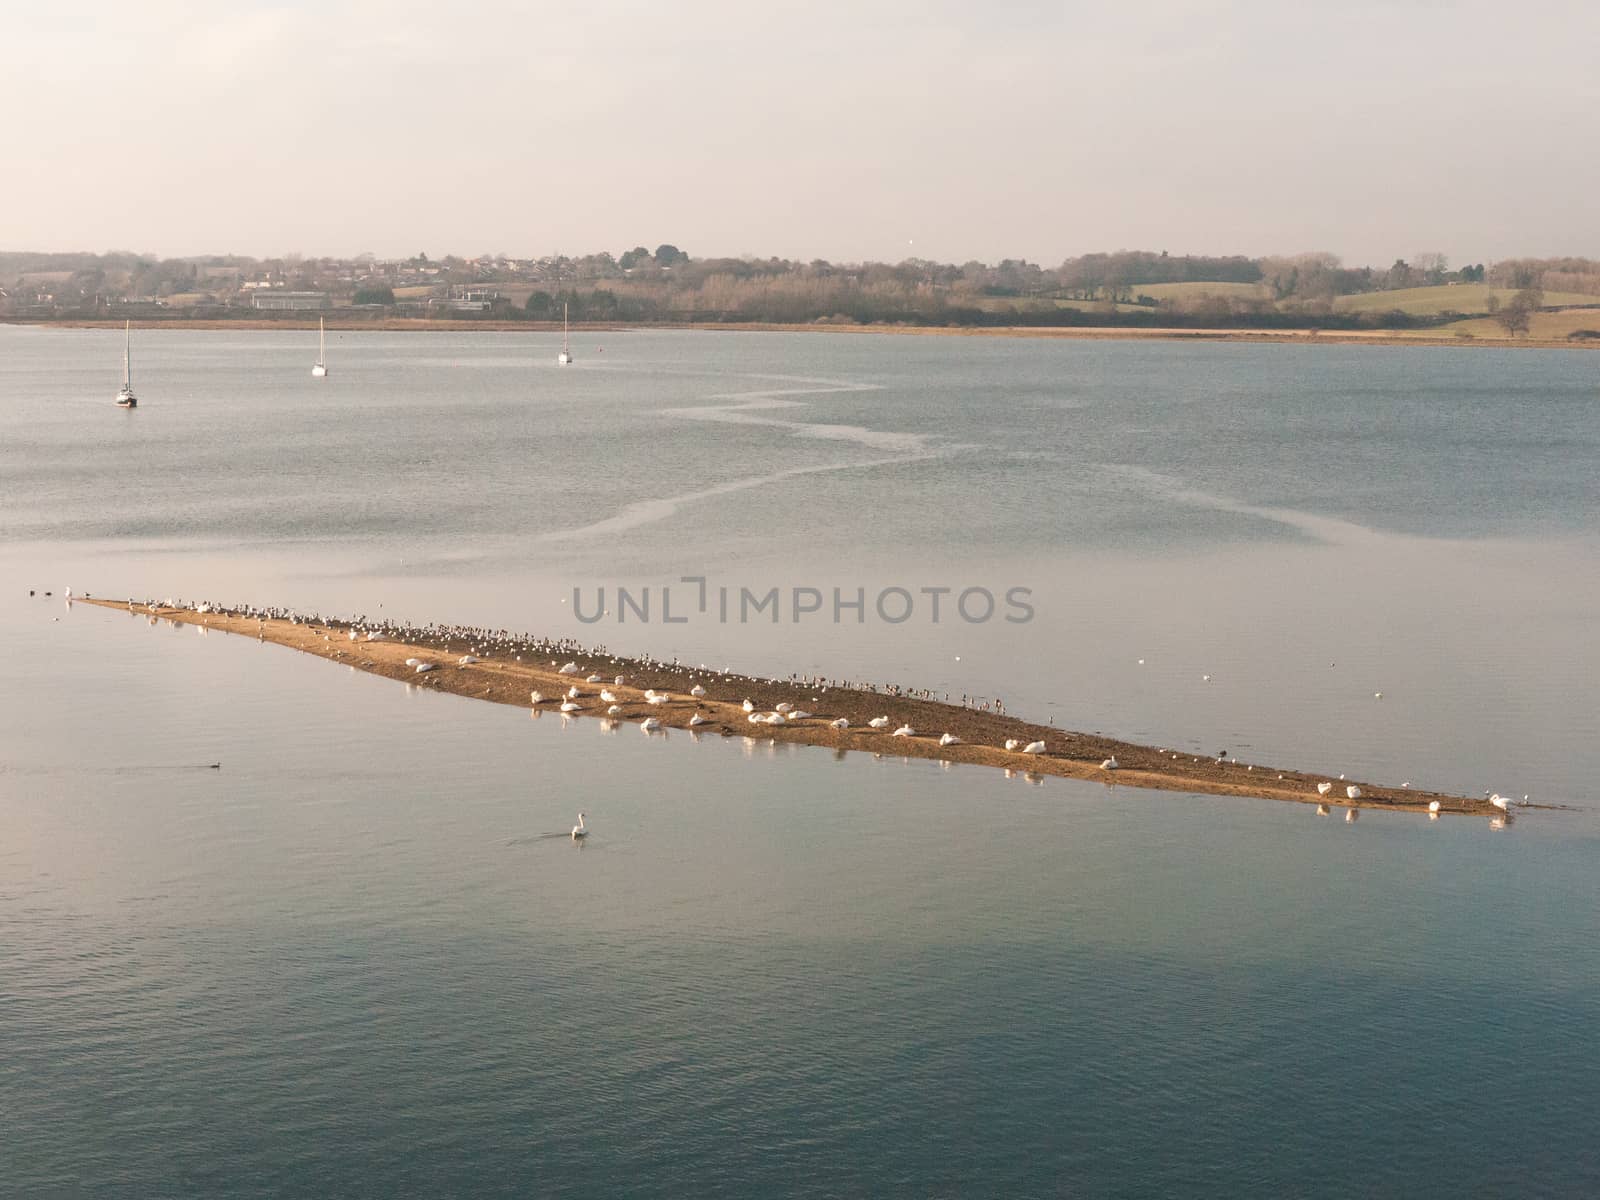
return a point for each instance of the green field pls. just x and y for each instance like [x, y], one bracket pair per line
[1188, 291]
[1552, 325]
[1456, 297]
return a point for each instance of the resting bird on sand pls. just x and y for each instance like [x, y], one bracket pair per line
[949, 739]
[879, 722]
[904, 731]
[1110, 764]
[1324, 788]
[1033, 748]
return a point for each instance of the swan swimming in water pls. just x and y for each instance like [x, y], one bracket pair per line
[649, 725]
[580, 830]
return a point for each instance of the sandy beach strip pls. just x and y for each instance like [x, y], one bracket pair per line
[338, 323]
[509, 668]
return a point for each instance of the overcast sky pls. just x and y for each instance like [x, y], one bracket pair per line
[835, 130]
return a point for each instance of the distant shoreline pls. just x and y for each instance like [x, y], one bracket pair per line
[482, 665]
[1295, 337]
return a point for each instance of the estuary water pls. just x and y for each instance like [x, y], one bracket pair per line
[360, 958]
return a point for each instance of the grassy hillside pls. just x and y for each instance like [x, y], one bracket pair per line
[1457, 297]
[1188, 291]
[1553, 325]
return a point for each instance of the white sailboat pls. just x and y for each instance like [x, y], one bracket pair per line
[321, 369]
[126, 398]
[566, 349]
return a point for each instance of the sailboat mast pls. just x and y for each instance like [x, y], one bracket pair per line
[563, 326]
[127, 355]
[322, 343]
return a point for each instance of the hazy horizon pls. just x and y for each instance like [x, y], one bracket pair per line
[826, 131]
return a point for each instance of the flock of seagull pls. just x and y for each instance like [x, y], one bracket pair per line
[484, 640]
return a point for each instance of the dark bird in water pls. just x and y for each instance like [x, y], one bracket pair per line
[1221, 754]
[216, 766]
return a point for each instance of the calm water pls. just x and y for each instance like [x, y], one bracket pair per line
[353, 962]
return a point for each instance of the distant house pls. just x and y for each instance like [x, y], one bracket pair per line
[472, 299]
[289, 301]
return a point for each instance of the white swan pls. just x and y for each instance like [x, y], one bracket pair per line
[592, 679]
[580, 830]
[614, 710]
[777, 718]
[423, 666]
[1013, 744]
[799, 715]
[657, 698]
[536, 697]
[567, 706]
[697, 692]
[1110, 764]
[949, 739]
[879, 722]
[573, 693]
[608, 696]
[568, 669]
[1033, 748]
[697, 719]
[784, 707]
[649, 725]
[756, 718]
[467, 660]
[411, 662]
[1353, 792]
[840, 723]
[1433, 806]
[1324, 788]
[747, 706]
[620, 680]
[1501, 802]
[904, 731]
